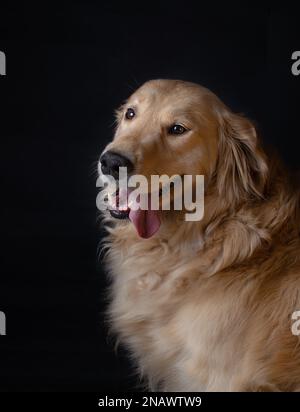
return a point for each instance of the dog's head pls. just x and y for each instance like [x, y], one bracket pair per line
[170, 127]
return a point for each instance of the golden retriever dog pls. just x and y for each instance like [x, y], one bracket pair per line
[204, 305]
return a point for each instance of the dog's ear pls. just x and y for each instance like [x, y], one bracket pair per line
[242, 168]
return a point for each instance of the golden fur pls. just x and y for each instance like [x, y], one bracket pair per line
[206, 306]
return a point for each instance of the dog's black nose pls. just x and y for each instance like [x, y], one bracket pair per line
[111, 161]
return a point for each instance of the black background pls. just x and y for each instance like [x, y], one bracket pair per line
[69, 65]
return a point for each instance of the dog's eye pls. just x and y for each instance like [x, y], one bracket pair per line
[176, 129]
[130, 113]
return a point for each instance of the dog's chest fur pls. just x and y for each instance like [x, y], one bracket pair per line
[174, 321]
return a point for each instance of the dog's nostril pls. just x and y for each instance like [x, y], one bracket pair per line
[103, 165]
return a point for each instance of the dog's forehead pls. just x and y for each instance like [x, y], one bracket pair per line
[165, 88]
[167, 95]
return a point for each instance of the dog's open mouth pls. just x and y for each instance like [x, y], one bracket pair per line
[147, 222]
[118, 212]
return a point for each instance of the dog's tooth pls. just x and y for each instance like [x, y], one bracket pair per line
[112, 199]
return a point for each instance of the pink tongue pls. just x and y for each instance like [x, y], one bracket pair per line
[146, 222]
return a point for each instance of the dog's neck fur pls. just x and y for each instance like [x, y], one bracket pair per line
[261, 219]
